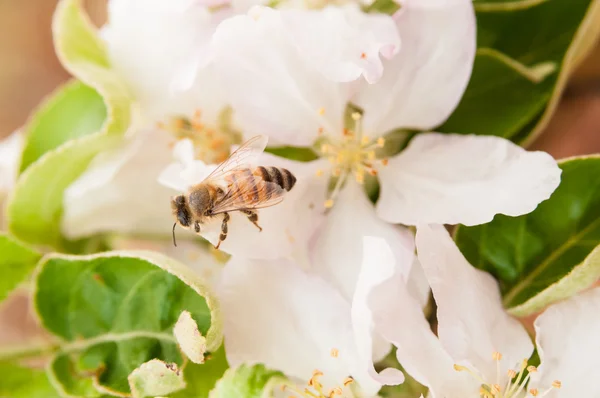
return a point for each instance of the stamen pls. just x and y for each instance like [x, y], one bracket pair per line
[356, 116]
[321, 111]
[531, 369]
[380, 142]
[328, 204]
[348, 381]
[363, 55]
[385, 161]
[319, 173]
[534, 392]
[496, 356]
[556, 384]
[334, 352]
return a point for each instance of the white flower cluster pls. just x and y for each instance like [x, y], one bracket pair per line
[332, 281]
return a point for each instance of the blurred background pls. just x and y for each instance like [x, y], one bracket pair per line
[29, 71]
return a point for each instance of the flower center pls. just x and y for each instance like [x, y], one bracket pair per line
[354, 153]
[517, 381]
[211, 143]
[314, 388]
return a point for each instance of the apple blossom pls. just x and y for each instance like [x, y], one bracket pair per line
[480, 350]
[10, 157]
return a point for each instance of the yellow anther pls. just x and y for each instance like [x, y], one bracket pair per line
[324, 148]
[385, 161]
[512, 374]
[334, 352]
[328, 204]
[556, 384]
[319, 173]
[356, 116]
[380, 142]
[496, 356]
[360, 177]
[349, 380]
[321, 111]
[459, 368]
[531, 369]
[336, 391]
[371, 155]
[365, 140]
[534, 392]
[495, 389]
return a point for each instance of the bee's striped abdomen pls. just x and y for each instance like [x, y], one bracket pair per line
[280, 176]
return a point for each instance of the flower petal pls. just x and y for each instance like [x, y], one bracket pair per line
[422, 85]
[466, 179]
[273, 90]
[150, 42]
[287, 226]
[10, 156]
[379, 263]
[343, 43]
[291, 323]
[472, 323]
[119, 191]
[567, 339]
[399, 319]
[338, 248]
[185, 171]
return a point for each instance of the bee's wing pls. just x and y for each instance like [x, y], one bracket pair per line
[249, 193]
[244, 157]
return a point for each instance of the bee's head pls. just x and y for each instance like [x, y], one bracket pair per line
[181, 210]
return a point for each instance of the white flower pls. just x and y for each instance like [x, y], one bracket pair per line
[277, 89]
[289, 319]
[160, 49]
[481, 350]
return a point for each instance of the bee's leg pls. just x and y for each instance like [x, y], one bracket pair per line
[253, 217]
[223, 235]
[197, 227]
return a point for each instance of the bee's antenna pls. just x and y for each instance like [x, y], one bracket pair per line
[174, 242]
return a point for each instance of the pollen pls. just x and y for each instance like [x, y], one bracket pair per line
[515, 387]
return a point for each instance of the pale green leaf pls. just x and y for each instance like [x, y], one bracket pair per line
[549, 254]
[249, 382]
[115, 311]
[189, 338]
[154, 378]
[17, 381]
[74, 110]
[16, 263]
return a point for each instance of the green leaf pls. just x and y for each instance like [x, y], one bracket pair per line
[20, 382]
[115, 311]
[249, 382]
[35, 204]
[526, 50]
[16, 263]
[383, 6]
[72, 111]
[546, 255]
[201, 378]
[155, 378]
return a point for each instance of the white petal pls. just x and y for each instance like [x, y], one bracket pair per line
[338, 248]
[567, 339]
[417, 283]
[343, 43]
[273, 90]
[422, 85]
[287, 226]
[119, 192]
[399, 318]
[466, 179]
[10, 157]
[280, 316]
[152, 42]
[185, 171]
[472, 323]
[379, 263]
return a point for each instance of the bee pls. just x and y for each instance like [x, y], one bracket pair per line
[237, 184]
